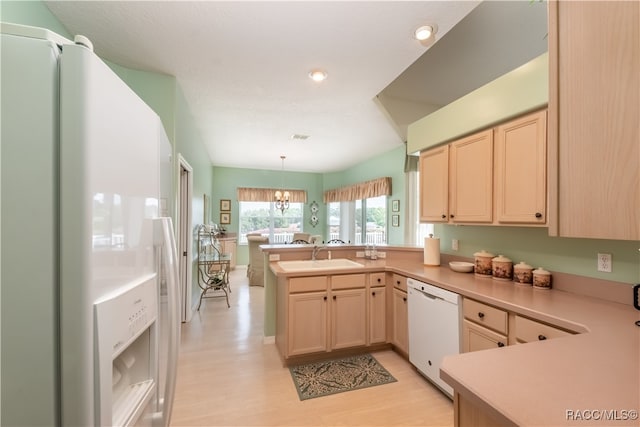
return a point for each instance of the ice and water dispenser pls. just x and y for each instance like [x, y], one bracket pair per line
[126, 359]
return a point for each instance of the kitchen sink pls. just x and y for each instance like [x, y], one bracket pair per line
[320, 264]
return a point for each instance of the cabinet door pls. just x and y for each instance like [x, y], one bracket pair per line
[594, 105]
[229, 247]
[377, 317]
[434, 185]
[471, 178]
[476, 337]
[400, 320]
[348, 318]
[307, 323]
[521, 170]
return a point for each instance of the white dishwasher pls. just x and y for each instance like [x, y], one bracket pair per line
[434, 329]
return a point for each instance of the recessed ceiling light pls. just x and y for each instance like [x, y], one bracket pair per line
[424, 32]
[318, 75]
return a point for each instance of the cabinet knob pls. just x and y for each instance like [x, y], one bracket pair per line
[542, 337]
[538, 215]
[325, 297]
[500, 344]
[452, 215]
[443, 216]
[334, 297]
[379, 280]
[481, 315]
[398, 282]
[404, 299]
[373, 293]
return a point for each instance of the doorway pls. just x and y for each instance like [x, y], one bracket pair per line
[184, 197]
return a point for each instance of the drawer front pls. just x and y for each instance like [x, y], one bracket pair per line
[485, 315]
[307, 284]
[476, 337]
[400, 282]
[528, 330]
[348, 281]
[376, 279]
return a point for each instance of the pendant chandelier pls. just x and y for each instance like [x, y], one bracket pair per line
[282, 197]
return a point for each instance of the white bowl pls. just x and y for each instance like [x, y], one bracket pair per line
[461, 267]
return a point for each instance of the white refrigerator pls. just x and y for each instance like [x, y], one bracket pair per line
[89, 302]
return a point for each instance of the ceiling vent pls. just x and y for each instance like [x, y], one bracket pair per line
[299, 137]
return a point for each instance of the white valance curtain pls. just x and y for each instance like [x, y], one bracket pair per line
[246, 194]
[364, 190]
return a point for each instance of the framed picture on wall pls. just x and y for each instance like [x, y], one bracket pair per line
[395, 205]
[225, 218]
[395, 220]
[225, 205]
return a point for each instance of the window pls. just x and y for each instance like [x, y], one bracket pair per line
[333, 221]
[263, 218]
[417, 230]
[371, 220]
[363, 222]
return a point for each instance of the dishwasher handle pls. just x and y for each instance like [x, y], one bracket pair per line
[430, 296]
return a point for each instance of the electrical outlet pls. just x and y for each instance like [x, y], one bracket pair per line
[454, 244]
[360, 254]
[604, 263]
[274, 257]
[382, 254]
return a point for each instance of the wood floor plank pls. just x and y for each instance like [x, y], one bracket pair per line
[227, 376]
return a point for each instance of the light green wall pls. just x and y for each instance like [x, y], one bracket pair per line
[533, 245]
[33, 13]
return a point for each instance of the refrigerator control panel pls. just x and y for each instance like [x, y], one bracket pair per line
[122, 316]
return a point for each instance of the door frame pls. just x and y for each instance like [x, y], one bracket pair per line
[184, 225]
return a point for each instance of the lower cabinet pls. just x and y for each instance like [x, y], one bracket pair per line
[317, 314]
[483, 327]
[377, 315]
[476, 337]
[348, 318]
[307, 326]
[527, 330]
[400, 321]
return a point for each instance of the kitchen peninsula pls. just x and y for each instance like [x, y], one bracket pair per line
[548, 382]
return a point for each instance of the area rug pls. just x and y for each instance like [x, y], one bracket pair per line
[338, 375]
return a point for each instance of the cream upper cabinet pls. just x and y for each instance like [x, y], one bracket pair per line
[456, 181]
[521, 169]
[594, 108]
[471, 178]
[434, 185]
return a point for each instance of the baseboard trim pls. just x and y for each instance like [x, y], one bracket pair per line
[269, 340]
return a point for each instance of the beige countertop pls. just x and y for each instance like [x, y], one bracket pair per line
[595, 374]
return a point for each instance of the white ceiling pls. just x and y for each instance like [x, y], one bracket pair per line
[243, 68]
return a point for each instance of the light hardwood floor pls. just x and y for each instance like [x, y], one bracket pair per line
[227, 376]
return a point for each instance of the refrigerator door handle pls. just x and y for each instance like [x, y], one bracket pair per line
[170, 261]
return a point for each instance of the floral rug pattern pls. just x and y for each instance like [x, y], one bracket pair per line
[335, 376]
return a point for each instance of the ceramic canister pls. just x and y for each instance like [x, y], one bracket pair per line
[483, 263]
[502, 268]
[523, 273]
[541, 278]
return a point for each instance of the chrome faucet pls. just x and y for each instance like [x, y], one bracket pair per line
[316, 249]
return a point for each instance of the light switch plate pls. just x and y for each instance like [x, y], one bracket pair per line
[274, 257]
